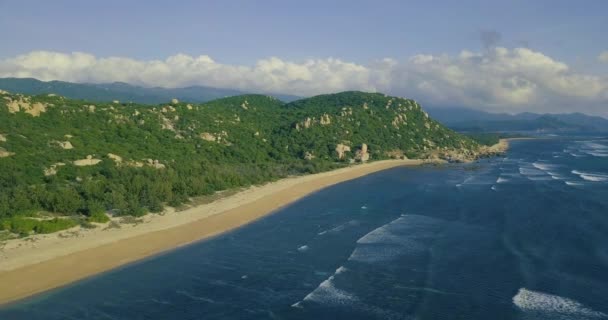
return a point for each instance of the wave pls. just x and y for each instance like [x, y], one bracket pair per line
[502, 180]
[339, 228]
[572, 183]
[193, 297]
[553, 306]
[303, 248]
[530, 172]
[598, 154]
[594, 178]
[544, 166]
[591, 176]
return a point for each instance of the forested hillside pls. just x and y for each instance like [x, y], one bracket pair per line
[63, 158]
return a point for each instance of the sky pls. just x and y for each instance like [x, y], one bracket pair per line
[507, 56]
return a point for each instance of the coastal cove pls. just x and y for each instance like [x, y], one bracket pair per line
[29, 269]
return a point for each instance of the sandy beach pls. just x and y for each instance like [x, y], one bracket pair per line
[43, 262]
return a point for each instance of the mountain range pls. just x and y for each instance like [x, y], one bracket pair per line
[471, 120]
[107, 92]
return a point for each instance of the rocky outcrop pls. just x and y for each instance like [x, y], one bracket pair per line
[308, 156]
[24, 104]
[89, 161]
[207, 136]
[52, 170]
[167, 124]
[362, 155]
[218, 137]
[117, 159]
[2, 138]
[174, 101]
[341, 149]
[396, 154]
[155, 164]
[66, 145]
[245, 105]
[325, 120]
[4, 153]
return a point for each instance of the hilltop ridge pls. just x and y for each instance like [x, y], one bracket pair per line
[63, 157]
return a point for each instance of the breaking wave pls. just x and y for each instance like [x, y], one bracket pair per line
[591, 176]
[552, 306]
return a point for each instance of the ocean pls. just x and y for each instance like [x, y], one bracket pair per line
[518, 237]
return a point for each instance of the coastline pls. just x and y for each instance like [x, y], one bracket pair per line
[45, 262]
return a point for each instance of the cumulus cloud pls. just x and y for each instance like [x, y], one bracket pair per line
[603, 57]
[498, 79]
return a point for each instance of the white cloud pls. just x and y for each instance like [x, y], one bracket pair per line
[498, 79]
[603, 57]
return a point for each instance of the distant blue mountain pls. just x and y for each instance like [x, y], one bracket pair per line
[466, 119]
[121, 91]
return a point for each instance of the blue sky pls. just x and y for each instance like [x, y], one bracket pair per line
[241, 34]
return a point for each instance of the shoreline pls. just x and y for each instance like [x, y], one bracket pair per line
[45, 262]
[38, 264]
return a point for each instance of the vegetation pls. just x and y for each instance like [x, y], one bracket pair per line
[143, 157]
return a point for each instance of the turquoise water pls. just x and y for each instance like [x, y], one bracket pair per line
[520, 237]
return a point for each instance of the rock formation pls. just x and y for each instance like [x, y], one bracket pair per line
[362, 154]
[89, 161]
[341, 149]
[325, 119]
[24, 104]
[4, 153]
[66, 145]
[116, 158]
[207, 136]
[52, 170]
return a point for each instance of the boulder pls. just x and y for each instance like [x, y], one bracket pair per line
[362, 155]
[89, 161]
[341, 149]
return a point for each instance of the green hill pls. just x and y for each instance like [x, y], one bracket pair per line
[61, 157]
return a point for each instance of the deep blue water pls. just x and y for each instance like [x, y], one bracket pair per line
[521, 237]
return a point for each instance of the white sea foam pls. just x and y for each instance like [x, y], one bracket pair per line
[598, 154]
[544, 166]
[501, 180]
[327, 292]
[340, 227]
[554, 307]
[594, 178]
[556, 176]
[341, 269]
[572, 183]
[530, 171]
[591, 176]
[194, 297]
[494, 188]
[303, 248]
